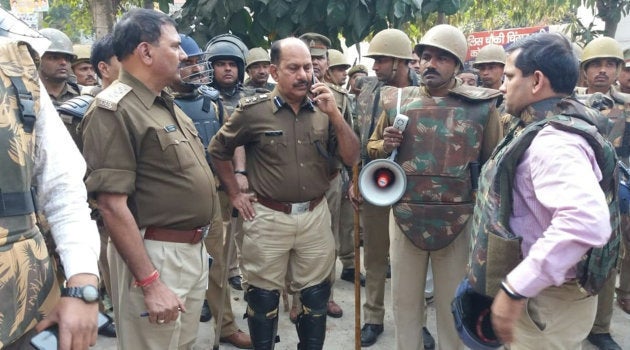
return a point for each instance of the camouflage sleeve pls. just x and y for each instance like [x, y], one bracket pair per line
[493, 133]
[375, 143]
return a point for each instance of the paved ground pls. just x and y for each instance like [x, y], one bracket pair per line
[340, 332]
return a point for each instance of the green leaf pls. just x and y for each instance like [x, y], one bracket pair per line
[336, 13]
[279, 8]
[382, 8]
[399, 9]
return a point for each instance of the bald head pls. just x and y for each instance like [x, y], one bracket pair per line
[282, 45]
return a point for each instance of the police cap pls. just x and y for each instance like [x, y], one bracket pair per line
[317, 43]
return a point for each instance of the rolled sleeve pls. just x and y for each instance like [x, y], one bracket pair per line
[109, 153]
[375, 148]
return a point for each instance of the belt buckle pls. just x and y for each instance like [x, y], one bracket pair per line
[299, 208]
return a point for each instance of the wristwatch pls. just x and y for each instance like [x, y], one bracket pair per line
[87, 293]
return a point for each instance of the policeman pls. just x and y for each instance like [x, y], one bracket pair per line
[288, 139]
[318, 46]
[203, 106]
[391, 51]
[452, 130]
[82, 68]
[258, 69]
[153, 186]
[355, 73]
[29, 290]
[490, 62]
[226, 53]
[601, 61]
[55, 67]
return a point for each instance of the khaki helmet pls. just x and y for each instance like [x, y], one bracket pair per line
[390, 43]
[337, 59]
[82, 52]
[447, 38]
[59, 42]
[359, 68]
[490, 54]
[602, 47]
[255, 55]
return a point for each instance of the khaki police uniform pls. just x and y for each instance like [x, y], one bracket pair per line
[69, 91]
[286, 162]
[142, 145]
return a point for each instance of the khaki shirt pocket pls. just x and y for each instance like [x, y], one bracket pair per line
[176, 149]
[274, 149]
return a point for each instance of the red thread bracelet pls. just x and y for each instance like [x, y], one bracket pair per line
[147, 281]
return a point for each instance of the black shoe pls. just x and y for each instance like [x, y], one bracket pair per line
[206, 313]
[348, 275]
[603, 341]
[108, 330]
[369, 333]
[235, 282]
[427, 339]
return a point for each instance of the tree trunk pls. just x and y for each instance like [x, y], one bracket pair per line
[102, 17]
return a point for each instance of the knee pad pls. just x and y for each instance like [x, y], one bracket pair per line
[315, 299]
[262, 303]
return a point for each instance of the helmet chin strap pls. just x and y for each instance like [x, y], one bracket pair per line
[394, 69]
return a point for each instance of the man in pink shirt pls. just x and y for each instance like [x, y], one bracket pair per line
[558, 208]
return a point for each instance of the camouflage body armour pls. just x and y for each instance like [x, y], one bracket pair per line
[366, 108]
[28, 288]
[443, 137]
[496, 250]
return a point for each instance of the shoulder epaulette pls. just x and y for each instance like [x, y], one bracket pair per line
[110, 97]
[475, 93]
[248, 101]
[338, 89]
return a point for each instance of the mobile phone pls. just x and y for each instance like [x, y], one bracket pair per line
[47, 339]
[313, 81]
[400, 122]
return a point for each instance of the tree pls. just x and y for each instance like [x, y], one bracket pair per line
[92, 17]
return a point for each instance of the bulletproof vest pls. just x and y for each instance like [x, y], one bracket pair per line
[28, 287]
[231, 98]
[205, 110]
[496, 250]
[441, 143]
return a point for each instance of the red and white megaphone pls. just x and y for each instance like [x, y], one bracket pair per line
[383, 182]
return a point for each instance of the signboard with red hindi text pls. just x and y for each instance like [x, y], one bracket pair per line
[502, 37]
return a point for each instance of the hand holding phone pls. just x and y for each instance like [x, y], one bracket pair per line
[48, 338]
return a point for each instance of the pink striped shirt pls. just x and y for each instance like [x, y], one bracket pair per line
[559, 210]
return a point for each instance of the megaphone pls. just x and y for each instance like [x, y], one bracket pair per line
[382, 182]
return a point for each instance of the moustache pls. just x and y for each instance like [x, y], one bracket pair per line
[300, 83]
[430, 71]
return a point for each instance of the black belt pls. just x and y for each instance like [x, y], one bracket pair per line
[16, 203]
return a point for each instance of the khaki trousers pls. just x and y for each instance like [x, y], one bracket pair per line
[559, 318]
[333, 197]
[275, 242]
[409, 272]
[624, 271]
[215, 246]
[376, 249]
[345, 249]
[606, 296]
[183, 268]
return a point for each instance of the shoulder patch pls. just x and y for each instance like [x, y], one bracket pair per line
[474, 93]
[110, 97]
[252, 100]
